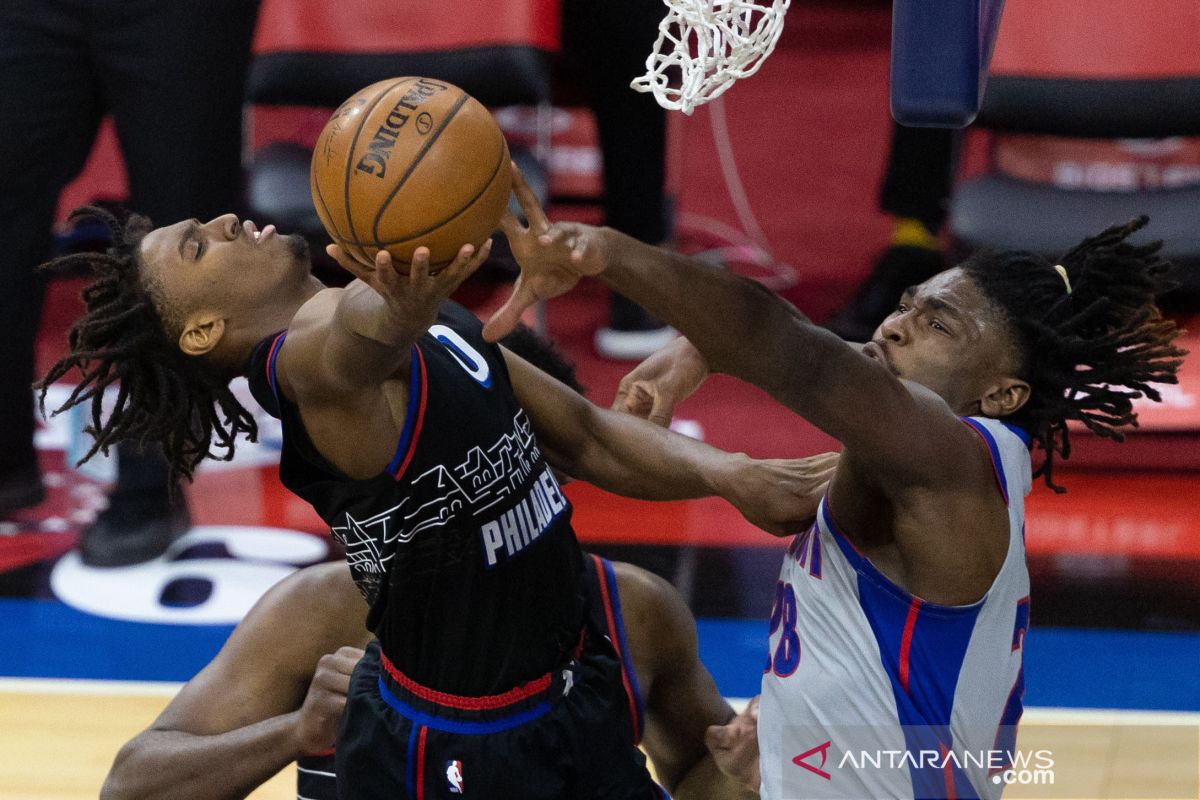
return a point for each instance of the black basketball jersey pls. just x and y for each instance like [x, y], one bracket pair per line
[317, 774]
[463, 545]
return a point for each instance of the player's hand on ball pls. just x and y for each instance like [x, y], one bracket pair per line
[413, 298]
[653, 388]
[317, 720]
[781, 496]
[734, 747]
[552, 256]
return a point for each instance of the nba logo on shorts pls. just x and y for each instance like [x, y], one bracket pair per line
[454, 780]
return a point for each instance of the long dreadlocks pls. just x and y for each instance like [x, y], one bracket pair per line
[163, 395]
[1089, 343]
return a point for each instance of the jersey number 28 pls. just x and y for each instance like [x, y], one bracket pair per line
[786, 658]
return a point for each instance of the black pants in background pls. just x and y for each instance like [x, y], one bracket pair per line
[604, 47]
[920, 174]
[172, 73]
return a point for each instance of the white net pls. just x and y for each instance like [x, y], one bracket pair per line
[705, 45]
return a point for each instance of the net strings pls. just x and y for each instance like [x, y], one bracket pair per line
[704, 46]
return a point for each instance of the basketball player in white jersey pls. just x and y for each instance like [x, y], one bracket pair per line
[899, 617]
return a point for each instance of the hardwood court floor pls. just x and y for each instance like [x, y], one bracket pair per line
[58, 739]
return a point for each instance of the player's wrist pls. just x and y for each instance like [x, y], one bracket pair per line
[726, 478]
[302, 739]
[689, 360]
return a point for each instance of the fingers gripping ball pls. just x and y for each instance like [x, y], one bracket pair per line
[409, 162]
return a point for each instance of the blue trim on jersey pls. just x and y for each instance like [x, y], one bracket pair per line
[460, 726]
[626, 656]
[936, 651]
[934, 654]
[1019, 432]
[410, 414]
[271, 356]
[410, 774]
[994, 450]
[863, 566]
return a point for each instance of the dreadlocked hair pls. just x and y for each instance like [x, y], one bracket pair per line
[163, 395]
[1088, 346]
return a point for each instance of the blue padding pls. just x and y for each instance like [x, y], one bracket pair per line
[940, 55]
[1063, 667]
[46, 639]
[1083, 668]
[734, 650]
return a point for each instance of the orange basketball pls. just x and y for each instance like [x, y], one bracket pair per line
[409, 162]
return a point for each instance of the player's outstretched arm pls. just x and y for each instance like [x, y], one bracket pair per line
[743, 329]
[632, 457]
[272, 694]
[364, 336]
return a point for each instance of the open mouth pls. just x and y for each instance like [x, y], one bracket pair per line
[266, 233]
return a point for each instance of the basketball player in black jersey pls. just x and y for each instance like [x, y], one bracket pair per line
[276, 691]
[427, 450]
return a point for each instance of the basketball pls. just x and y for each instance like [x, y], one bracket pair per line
[408, 162]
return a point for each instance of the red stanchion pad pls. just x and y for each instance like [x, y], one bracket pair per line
[376, 26]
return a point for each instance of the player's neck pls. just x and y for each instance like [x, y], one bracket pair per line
[235, 353]
[279, 314]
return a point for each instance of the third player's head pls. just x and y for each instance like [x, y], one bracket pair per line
[1012, 335]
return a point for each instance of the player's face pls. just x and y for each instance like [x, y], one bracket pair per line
[224, 265]
[946, 336]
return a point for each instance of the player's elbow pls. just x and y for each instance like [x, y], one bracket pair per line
[572, 436]
[132, 774]
[118, 782]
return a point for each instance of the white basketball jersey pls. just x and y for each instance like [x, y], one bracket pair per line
[855, 657]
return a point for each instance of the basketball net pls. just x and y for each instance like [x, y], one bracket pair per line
[712, 43]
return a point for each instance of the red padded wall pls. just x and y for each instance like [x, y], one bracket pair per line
[380, 26]
[1111, 39]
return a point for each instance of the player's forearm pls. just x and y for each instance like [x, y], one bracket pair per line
[174, 765]
[738, 326]
[705, 782]
[629, 456]
[374, 342]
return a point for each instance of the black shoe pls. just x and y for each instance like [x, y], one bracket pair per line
[632, 333]
[133, 530]
[21, 488]
[896, 270]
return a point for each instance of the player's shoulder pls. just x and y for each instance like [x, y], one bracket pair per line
[653, 609]
[317, 597]
[300, 350]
